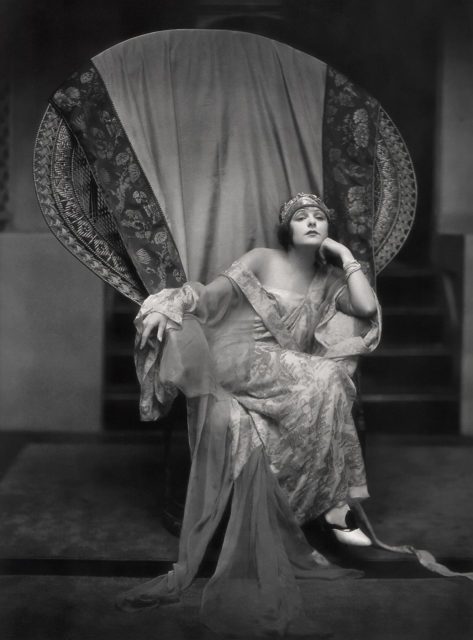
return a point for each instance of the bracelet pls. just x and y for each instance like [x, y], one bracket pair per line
[351, 267]
[352, 264]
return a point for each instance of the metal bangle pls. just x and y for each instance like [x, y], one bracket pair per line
[351, 268]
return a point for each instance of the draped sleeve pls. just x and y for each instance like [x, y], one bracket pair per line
[340, 335]
[197, 302]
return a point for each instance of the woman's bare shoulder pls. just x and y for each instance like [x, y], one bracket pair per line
[260, 257]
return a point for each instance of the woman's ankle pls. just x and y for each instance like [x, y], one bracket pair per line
[337, 515]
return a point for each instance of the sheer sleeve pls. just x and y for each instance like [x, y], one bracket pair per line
[339, 334]
[173, 303]
[342, 300]
[208, 304]
[337, 290]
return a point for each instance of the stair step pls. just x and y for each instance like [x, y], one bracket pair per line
[373, 386]
[410, 350]
[124, 414]
[120, 350]
[397, 268]
[403, 310]
[120, 368]
[439, 395]
[412, 367]
[431, 414]
[121, 330]
[122, 394]
[408, 289]
[404, 326]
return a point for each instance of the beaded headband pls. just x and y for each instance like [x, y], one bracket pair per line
[300, 201]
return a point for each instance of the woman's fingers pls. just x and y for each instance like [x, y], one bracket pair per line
[150, 323]
[333, 248]
[147, 328]
[325, 248]
[329, 245]
[161, 328]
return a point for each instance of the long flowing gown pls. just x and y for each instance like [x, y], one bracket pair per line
[267, 375]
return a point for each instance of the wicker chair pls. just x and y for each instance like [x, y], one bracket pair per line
[75, 209]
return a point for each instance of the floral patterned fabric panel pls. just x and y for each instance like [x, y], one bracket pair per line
[349, 145]
[86, 107]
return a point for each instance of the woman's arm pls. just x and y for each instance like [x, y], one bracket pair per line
[361, 300]
[166, 309]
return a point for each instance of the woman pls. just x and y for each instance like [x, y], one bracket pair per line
[264, 355]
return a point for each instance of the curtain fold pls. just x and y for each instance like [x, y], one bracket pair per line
[226, 126]
[195, 137]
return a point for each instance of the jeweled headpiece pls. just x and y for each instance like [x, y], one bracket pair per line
[300, 201]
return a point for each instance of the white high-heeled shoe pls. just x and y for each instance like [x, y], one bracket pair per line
[350, 534]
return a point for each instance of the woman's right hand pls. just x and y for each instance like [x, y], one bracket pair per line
[153, 321]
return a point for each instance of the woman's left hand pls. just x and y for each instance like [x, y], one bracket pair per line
[330, 247]
[154, 321]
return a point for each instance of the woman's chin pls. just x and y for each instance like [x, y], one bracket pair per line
[311, 242]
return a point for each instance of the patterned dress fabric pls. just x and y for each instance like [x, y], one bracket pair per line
[271, 432]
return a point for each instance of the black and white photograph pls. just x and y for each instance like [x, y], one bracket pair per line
[236, 311]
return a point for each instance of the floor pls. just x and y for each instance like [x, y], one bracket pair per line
[81, 522]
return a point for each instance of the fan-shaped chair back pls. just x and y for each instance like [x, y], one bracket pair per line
[167, 156]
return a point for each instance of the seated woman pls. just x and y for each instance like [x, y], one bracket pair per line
[264, 354]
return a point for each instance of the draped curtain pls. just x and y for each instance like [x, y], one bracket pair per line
[195, 137]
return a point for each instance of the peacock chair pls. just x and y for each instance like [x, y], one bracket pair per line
[167, 156]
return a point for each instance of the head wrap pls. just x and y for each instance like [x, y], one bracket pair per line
[301, 200]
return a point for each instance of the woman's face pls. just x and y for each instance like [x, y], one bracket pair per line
[309, 227]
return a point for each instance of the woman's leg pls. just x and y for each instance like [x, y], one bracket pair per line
[301, 405]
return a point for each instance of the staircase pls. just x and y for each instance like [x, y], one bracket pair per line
[408, 385]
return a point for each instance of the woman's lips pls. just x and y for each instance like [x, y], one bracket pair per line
[312, 233]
